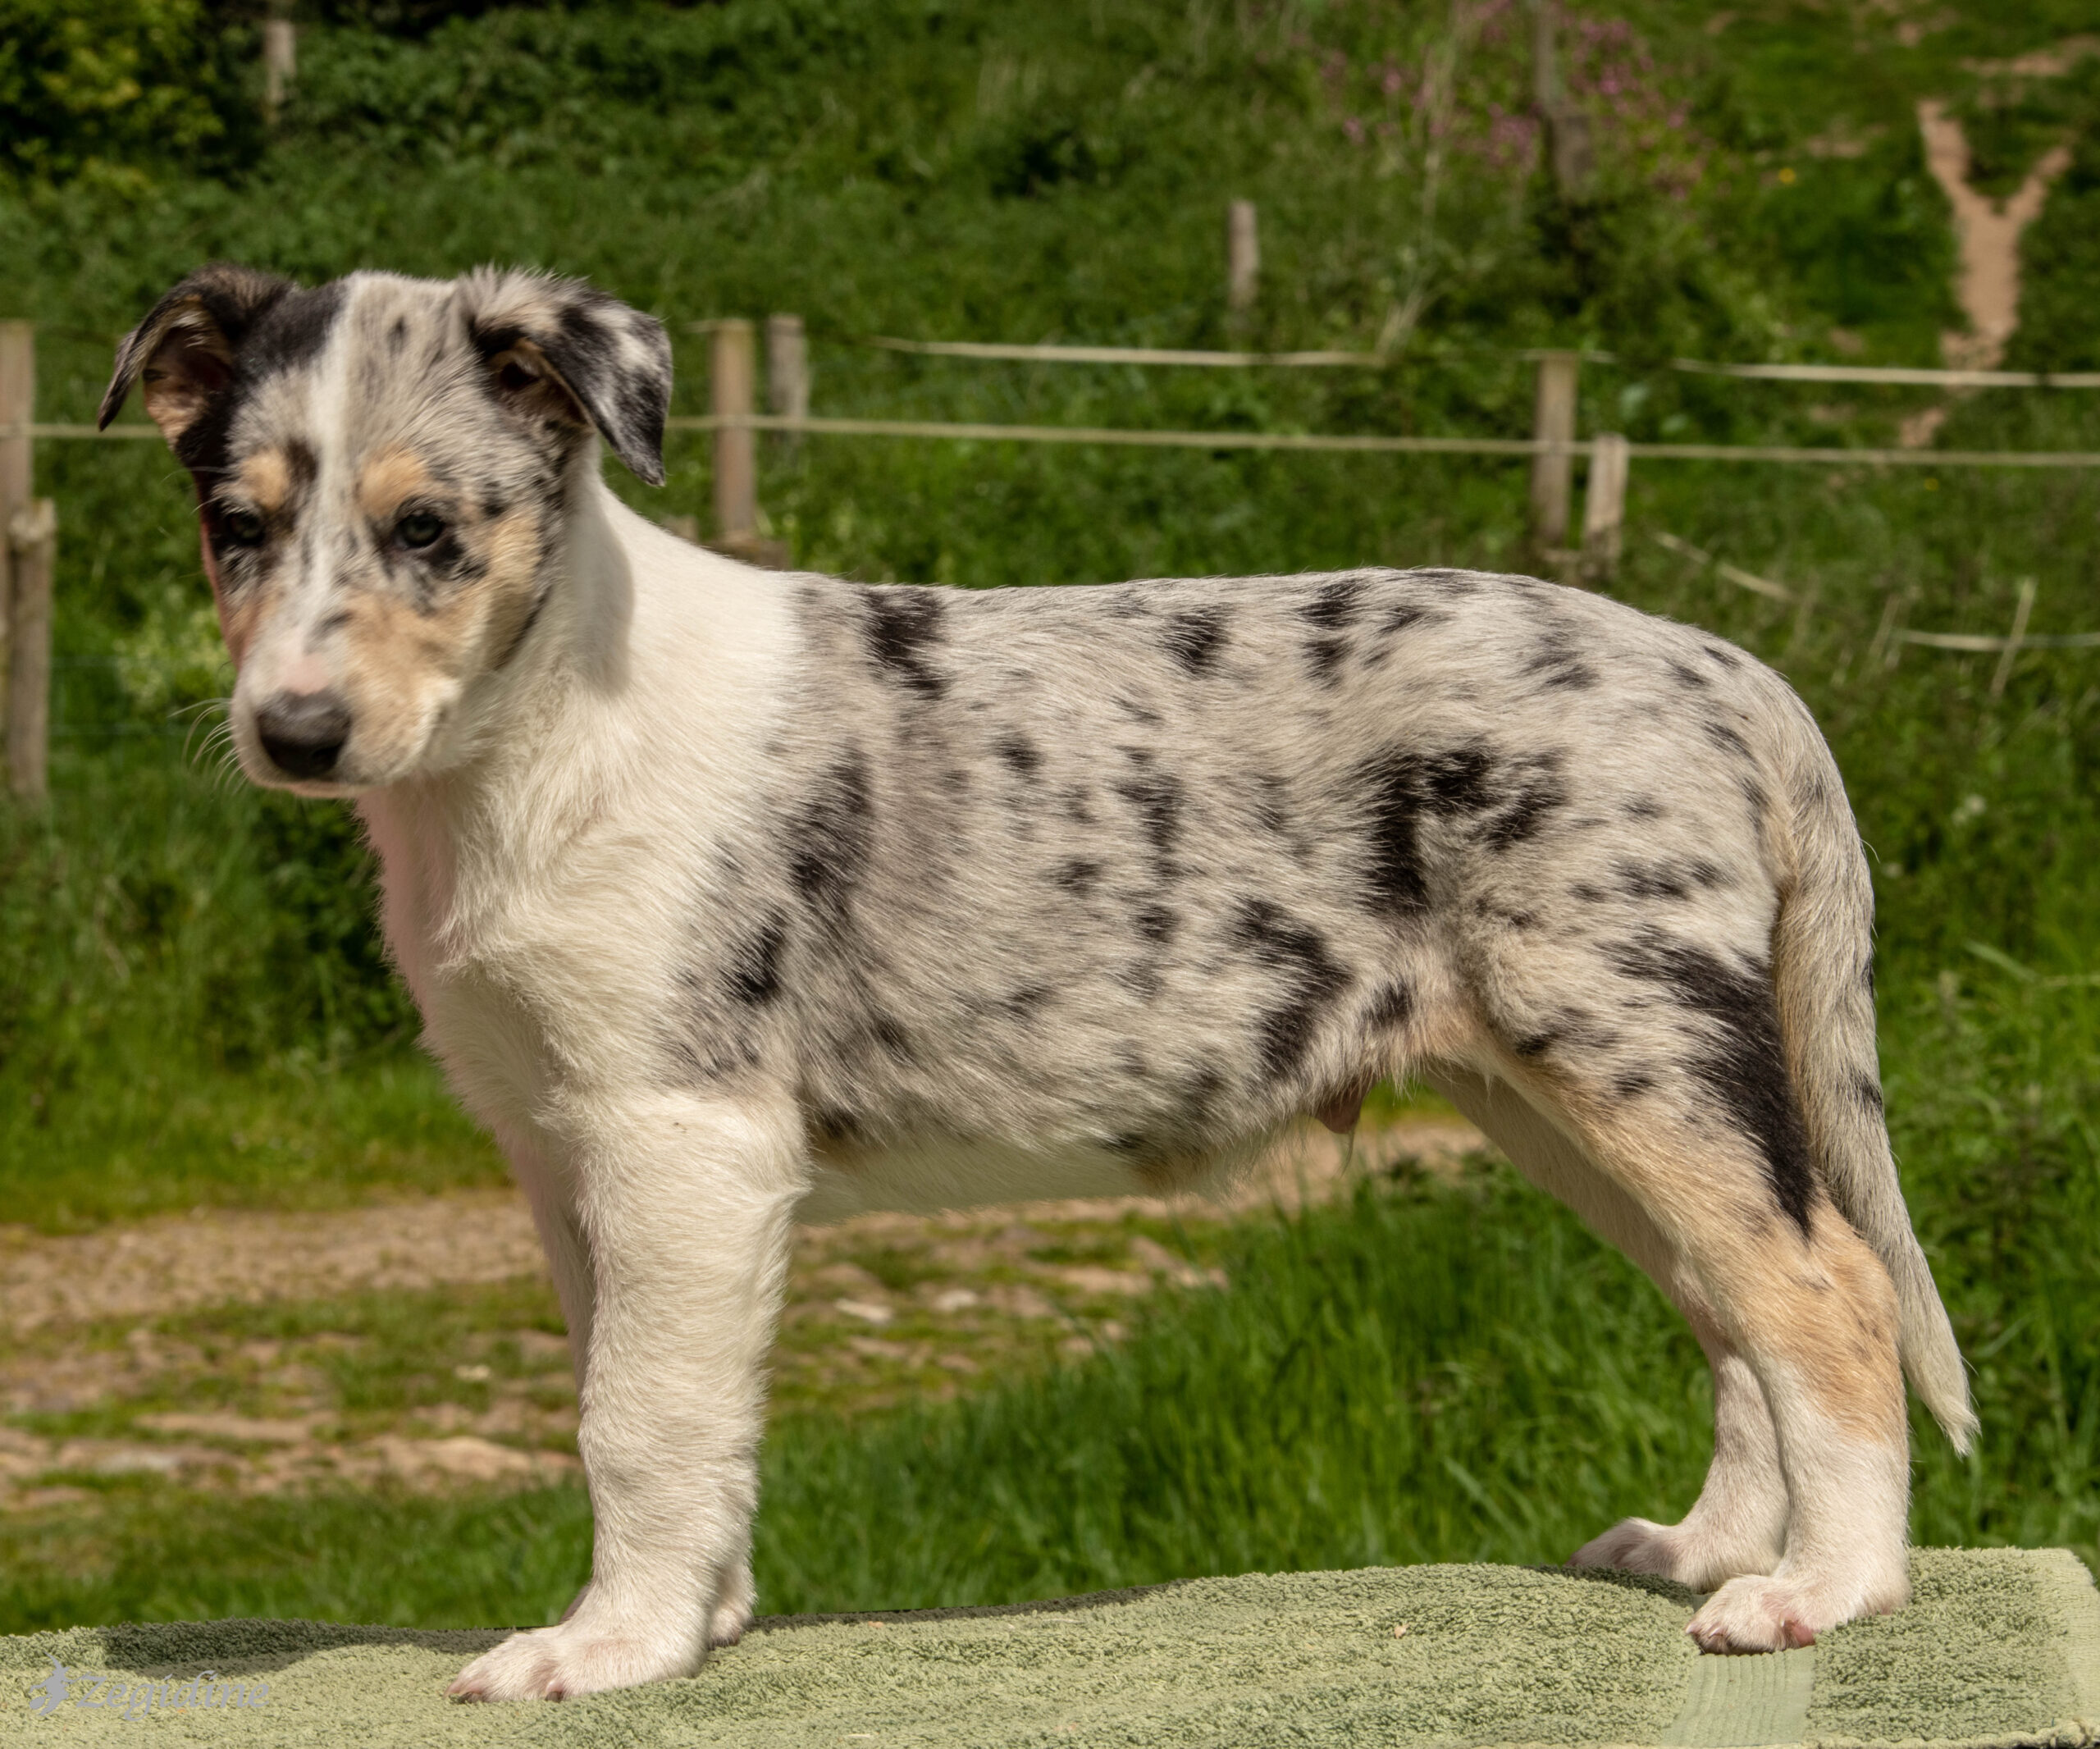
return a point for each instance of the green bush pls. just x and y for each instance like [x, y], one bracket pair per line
[121, 91]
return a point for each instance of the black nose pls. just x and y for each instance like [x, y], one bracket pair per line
[304, 732]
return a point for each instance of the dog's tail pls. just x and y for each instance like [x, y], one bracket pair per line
[1823, 974]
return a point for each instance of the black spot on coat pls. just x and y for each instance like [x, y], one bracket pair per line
[1726, 739]
[1392, 1006]
[753, 976]
[1019, 753]
[1667, 880]
[1536, 790]
[1737, 1054]
[1394, 867]
[1158, 799]
[291, 333]
[1325, 656]
[1076, 876]
[1457, 781]
[904, 627]
[829, 842]
[1194, 638]
[1336, 606]
[1556, 663]
[1310, 976]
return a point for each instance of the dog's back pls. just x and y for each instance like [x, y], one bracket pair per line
[1131, 872]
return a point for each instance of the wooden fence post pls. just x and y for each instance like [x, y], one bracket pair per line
[32, 537]
[1242, 260]
[736, 467]
[17, 467]
[1566, 129]
[1553, 471]
[2020, 613]
[280, 59]
[1603, 505]
[787, 373]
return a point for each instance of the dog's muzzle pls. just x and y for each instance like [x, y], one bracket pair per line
[303, 733]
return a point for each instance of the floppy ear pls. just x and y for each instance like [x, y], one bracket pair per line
[563, 352]
[185, 348]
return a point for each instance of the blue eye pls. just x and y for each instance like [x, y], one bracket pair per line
[418, 529]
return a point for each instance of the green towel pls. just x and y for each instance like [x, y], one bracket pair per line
[2000, 1647]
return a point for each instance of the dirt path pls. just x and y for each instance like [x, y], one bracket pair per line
[214, 1256]
[472, 1385]
[1987, 231]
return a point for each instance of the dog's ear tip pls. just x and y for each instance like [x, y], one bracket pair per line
[113, 397]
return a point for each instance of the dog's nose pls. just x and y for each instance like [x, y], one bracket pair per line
[304, 732]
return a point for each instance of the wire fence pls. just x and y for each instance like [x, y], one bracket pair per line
[734, 421]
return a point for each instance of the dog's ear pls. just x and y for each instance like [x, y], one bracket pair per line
[184, 348]
[562, 351]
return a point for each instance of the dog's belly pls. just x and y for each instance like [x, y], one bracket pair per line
[928, 1174]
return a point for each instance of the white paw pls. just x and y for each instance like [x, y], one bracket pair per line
[553, 1663]
[734, 1613]
[1672, 1551]
[1769, 1616]
[1633, 1545]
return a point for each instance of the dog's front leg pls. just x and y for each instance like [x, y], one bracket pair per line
[688, 1207]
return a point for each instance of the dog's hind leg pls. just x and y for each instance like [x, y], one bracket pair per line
[1739, 1521]
[1800, 1296]
[687, 1206]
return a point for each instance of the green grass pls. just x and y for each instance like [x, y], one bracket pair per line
[1424, 1371]
[173, 1136]
[156, 1553]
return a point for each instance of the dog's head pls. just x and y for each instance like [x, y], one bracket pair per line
[383, 468]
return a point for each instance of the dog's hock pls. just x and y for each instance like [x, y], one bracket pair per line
[563, 352]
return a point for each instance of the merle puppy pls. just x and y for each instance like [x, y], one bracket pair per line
[733, 899]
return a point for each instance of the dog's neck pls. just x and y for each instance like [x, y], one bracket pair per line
[541, 756]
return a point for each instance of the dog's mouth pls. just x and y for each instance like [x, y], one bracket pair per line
[320, 756]
[324, 751]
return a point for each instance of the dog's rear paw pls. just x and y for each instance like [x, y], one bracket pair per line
[1773, 1615]
[1756, 1615]
[1672, 1551]
[553, 1663]
[1632, 1544]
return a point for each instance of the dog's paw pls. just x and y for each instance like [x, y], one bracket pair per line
[734, 1613]
[1672, 1551]
[1751, 1614]
[1633, 1545]
[1759, 1615]
[555, 1664]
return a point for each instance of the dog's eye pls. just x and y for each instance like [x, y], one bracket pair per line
[240, 527]
[418, 529]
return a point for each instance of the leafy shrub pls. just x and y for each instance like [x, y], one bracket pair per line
[120, 90]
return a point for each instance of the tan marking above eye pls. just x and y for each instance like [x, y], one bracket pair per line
[266, 481]
[389, 480]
